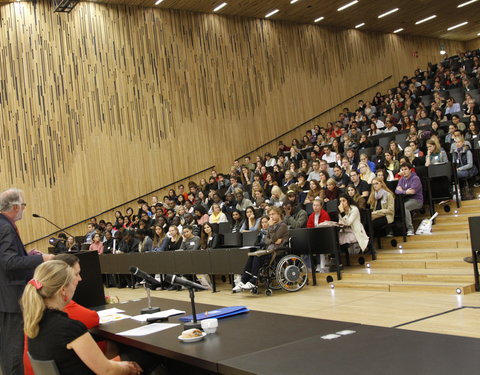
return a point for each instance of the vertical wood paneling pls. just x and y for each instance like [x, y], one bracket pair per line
[110, 102]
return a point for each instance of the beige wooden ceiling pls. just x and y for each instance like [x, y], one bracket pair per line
[305, 11]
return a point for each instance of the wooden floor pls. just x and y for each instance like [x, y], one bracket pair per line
[386, 309]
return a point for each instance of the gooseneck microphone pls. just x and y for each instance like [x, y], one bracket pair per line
[148, 280]
[55, 225]
[173, 279]
[145, 276]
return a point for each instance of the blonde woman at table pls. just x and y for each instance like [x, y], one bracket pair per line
[52, 335]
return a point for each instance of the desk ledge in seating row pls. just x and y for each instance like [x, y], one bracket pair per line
[322, 240]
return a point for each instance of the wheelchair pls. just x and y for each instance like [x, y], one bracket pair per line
[284, 271]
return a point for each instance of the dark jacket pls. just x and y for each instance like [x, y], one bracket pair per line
[16, 267]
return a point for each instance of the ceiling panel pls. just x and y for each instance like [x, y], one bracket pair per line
[305, 11]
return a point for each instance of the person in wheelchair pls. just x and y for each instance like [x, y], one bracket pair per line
[275, 237]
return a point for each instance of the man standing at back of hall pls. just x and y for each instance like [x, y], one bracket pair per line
[16, 269]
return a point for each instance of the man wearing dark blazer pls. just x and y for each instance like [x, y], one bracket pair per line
[16, 269]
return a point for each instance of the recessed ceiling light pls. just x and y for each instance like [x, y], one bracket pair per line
[272, 13]
[387, 13]
[319, 19]
[478, 34]
[293, 1]
[457, 26]
[158, 2]
[222, 5]
[398, 30]
[466, 3]
[347, 5]
[360, 25]
[425, 19]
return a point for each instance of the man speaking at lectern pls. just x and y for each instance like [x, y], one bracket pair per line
[16, 269]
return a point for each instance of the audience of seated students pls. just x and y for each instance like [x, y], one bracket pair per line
[382, 204]
[340, 151]
[276, 236]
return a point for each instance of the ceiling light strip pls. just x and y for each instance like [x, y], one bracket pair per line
[293, 1]
[319, 19]
[272, 13]
[347, 5]
[222, 5]
[466, 3]
[360, 25]
[158, 2]
[457, 26]
[387, 13]
[398, 30]
[426, 19]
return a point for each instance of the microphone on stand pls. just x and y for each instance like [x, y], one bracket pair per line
[150, 281]
[56, 226]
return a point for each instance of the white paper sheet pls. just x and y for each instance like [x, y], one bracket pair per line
[160, 314]
[148, 329]
[113, 310]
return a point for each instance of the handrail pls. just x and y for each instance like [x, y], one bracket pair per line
[248, 153]
[314, 117]
[124, 203]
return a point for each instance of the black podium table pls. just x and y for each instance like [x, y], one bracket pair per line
[236, 336]
[370, 350]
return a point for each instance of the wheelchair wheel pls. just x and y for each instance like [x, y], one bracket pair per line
[292, 273]
[268, 292]
[269, 278]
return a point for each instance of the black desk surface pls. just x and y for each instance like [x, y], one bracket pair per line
[236, 336]
[371, 350]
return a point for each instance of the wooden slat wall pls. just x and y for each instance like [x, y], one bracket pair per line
[473, 44]
[110, 102]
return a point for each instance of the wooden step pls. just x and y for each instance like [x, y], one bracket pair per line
[405, 255]
[452, 278]
[430, 287]
[447, 263]
[394, 263]
[447, 288]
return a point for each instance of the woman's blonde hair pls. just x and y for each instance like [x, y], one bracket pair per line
[371, 199]
[51, 277]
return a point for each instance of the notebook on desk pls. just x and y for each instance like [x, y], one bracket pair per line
[217, 314]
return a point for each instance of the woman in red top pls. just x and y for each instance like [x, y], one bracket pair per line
[318, 216]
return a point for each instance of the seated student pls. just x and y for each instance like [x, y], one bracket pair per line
[52, 335]
[360, 185]
[275, 237]
[217, 216]
[209, 239]
[277, 196]
[466, 169]
[71, 246]
[159, 238]
[365, 173]
[96, 244]
[252, 223]
[352, 227]
[238, 222]
[174, 239]
[190, 241]
[391, 165]
[315, 192]
[145, 243]
[318, 216]
[359, 200]
[340, 177]
[382, 204]
[200, 214]
[295, 216]
[411, 187]
[332, 191]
